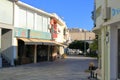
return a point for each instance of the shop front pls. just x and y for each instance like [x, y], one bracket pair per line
[32, 50]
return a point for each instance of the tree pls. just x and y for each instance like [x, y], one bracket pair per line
[78, 45]
[94, 45]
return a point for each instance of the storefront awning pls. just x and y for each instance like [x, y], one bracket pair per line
[32, 41]
[59, 44]
[36, 41]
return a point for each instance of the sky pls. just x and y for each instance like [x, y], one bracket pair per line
[76, 13]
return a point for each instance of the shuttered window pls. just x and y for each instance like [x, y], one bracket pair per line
[30, 20]
[39, 22]
[22, 18]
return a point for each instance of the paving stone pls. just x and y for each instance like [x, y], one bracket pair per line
[71, 68]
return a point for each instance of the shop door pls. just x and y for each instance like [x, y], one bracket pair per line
[119, 53]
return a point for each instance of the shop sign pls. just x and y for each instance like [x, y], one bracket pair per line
[39, 34]
[115, 11]
[20, 32]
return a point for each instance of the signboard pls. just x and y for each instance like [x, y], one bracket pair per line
[20, 32]
[39, 34]
[115, 8]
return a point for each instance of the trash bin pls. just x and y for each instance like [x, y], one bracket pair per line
[0, 62]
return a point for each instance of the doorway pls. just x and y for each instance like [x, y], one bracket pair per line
[119, 53]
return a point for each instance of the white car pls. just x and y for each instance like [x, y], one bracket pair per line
[79, 52]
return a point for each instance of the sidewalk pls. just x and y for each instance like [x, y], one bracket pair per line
[71, 68]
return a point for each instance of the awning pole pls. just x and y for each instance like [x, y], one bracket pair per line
[35, 54]
[48, 52]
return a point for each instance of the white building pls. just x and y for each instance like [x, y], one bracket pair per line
[107, 27]
[27, 35]
[6, 29]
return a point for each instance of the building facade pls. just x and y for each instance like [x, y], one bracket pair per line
[81, 34]
[107, 27]
[32, 37]
[6, 30]
[27, 35]
[60, 33]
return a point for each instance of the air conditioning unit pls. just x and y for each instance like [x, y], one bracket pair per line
[106, 13]
[14, 0]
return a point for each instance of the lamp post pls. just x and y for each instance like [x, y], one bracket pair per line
[84, 42]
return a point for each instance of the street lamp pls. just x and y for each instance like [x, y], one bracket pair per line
[84, 42]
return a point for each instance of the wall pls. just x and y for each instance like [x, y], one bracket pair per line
[115, 8]
[6, 32]
[60, 35]
[109, 45]
[99, 12]
[113, 51]
[6, 12]
[82, 35]
[6, 44]
[30, 19]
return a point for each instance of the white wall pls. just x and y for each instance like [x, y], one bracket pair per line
[115, 9]
[109, 50]
[6, 12]
[6, 45]
[113, 52]
[30, 19]
[99, 14]
[60, 37]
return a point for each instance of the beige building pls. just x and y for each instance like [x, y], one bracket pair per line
[81, 34]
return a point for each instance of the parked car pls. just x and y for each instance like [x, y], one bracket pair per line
[71, 51]
[79, 52]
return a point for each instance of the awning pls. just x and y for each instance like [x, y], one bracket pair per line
[27, 41]
[32, 41]
[43, 42]
[57, 43]
[36, 41]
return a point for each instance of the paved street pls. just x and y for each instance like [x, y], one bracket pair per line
[72, 68]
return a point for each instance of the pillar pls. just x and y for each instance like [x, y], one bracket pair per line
[0, 40]
[35, 54]
[48, 52]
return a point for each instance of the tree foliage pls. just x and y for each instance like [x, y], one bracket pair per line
[94, 45]
[79, 45]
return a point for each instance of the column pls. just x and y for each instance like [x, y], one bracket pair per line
[48, 52]
[0, 50]
[0, 41]
[35, 54]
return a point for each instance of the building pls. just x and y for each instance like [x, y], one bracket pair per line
[6, 29]
[32, 37]
[81, 34]
[107, 27]
[60, 33]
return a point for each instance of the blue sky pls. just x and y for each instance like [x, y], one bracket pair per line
[76, 13]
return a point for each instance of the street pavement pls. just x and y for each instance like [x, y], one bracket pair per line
[71, 68]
